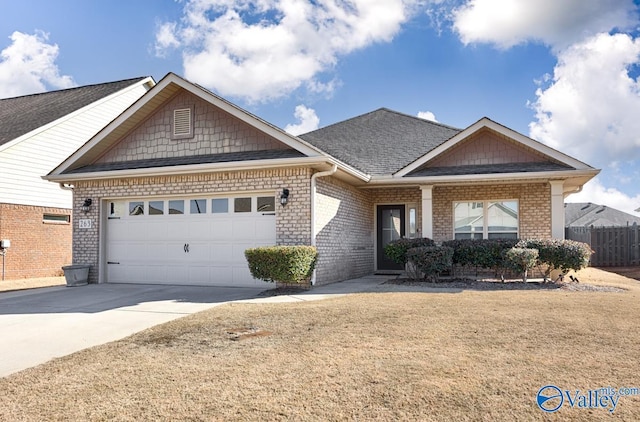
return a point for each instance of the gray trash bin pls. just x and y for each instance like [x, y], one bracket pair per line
[76, 275]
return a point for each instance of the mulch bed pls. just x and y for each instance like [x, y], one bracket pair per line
[469, 284]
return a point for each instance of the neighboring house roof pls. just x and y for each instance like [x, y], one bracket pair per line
[588, 214]
[20, 115]
[380, 142]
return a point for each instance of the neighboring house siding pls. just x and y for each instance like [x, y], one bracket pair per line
[214, 132]
[344, 226]
[25, 161]
[293, 224]
[534, 202]
[38, 249]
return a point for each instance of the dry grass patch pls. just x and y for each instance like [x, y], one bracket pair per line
[471, 355]
[30, 283]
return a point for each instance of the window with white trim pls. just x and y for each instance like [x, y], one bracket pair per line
[485, 220]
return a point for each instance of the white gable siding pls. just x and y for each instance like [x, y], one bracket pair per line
[24, 161]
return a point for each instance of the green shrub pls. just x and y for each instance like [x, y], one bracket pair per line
[396, 250]
[557, 254]
[283, 264]
[480, 253]
[522, 260]
[431, 260]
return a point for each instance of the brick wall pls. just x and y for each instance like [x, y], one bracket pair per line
[534, 201]
[38, 249]
[293, 222]
[215, 132]
[344, 226]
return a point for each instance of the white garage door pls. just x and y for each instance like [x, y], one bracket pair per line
[194, 241]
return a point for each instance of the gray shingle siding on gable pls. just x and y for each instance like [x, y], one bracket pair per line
[380, 142]
[20, 115]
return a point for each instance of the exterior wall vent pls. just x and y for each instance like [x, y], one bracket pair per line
[182, 127]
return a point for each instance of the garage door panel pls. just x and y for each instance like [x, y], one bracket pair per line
[243, 228]
[157, 230]
[265, 228]
[222, 229]
[199, 230]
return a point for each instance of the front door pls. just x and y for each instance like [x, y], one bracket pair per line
[391, 225]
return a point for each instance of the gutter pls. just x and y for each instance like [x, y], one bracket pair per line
[314, 177]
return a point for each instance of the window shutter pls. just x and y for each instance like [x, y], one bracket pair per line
[182, 122]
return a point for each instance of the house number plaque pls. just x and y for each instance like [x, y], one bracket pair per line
[84, 223]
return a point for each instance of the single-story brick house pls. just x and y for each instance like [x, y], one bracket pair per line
[183, 182]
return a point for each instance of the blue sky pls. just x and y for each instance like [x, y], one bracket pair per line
[564, 73]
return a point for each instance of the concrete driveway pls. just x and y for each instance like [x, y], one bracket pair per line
[41, 324]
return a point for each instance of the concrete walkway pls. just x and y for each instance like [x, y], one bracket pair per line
[40, 324]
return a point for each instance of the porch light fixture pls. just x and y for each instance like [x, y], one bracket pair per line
[284, 197]
[86, 205]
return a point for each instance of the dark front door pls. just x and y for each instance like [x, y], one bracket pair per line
[390, 222]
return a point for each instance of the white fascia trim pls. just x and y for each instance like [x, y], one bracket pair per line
[475, 178]
[503, 130]
[148, 80]
[206, 168]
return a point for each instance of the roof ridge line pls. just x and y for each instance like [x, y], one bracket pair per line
[140, 78]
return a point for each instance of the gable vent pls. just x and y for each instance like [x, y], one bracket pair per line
[182, 122]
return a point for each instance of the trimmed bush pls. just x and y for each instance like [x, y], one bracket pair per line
[556, 254]
[396, 250]
[480, 253]
[431, 260]
[282, 264]
[522, 260]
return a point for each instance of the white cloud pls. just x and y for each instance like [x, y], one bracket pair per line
[427, 115]
[558, 23]
[28, 66]
[596, 192]
[265, 49]
[590, 107]
[307, 118]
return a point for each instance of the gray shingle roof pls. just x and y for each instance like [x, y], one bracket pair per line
[489, 169]
[20, 115]
[584, 214]
[191, 159]
[380, 142]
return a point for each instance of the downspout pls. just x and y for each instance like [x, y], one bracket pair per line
[313, 207]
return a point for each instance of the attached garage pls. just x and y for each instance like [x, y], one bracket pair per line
[196, 240]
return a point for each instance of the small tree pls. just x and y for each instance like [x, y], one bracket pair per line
[522, 260]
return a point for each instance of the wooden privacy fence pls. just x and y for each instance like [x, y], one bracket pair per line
[613, 246]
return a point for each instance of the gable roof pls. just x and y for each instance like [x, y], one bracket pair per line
[564, 161]
[581, 214]
[21, 115]
[82, 164]
[380, 142]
